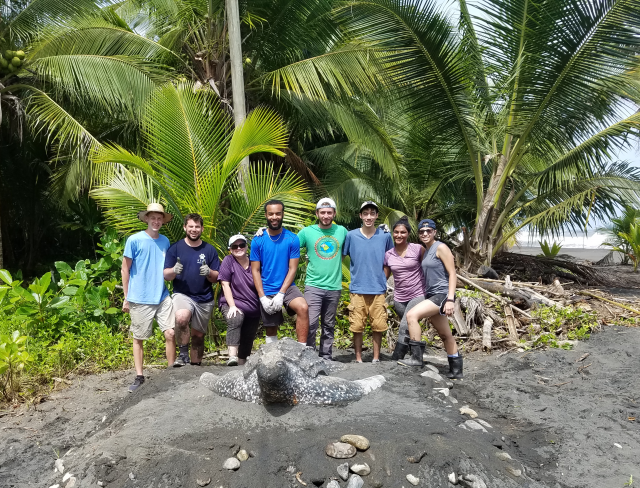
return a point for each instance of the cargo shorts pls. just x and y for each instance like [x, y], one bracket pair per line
[142, 316]
[363, 306]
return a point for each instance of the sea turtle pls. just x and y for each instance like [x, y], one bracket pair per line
[288, 372]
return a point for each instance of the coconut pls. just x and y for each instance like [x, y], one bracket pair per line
[8, 54]
[12, 68]
[20, 54]
[16, 62]
[3, 63]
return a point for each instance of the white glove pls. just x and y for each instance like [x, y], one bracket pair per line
[277, 302]
[259, 232]
[177, 269]
[205, 270]
[384, 228]
[267, 304]
[233, 311]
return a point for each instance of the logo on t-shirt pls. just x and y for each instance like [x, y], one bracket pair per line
[202, 259]
[327, 247]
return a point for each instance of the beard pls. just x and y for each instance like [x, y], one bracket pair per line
[275, 226]
[192, 239]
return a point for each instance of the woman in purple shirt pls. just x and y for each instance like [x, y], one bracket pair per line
[403, 261]
[239, 304]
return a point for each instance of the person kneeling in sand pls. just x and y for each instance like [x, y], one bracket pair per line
[146, 296]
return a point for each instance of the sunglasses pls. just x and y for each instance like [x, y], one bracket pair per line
[426, 231]
[242, 245]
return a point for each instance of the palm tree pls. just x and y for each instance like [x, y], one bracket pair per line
[189, 159]
[83, 77]
[617, 229]
[516, 110]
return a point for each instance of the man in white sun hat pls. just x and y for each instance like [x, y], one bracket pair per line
[323, 283]
[146, 296]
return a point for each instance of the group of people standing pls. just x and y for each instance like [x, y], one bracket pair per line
[257, 284]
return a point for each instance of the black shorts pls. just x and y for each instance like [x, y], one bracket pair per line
[439, 299]
[275, 319]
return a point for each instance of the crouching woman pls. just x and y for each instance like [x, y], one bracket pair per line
[239, 304]
[440, 278]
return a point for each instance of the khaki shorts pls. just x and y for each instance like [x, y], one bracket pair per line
[142, 318]
[200, 312]
[276, 319]
[363, 306]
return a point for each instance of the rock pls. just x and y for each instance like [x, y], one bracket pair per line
[71, 483]
[291, 469]
[444, 391]
[333, 484]
[59, 464]
[357, 441]
[433, 368]
[503, 456]
[417, 458]
[355, 482]
[433, 376]
[231, 463]
[453, 400]
[485, 424]
[413, 480]
[361, 469]
[132, 476]
[487, 272]
[617, 445]
[343, 471]
[66, 477]
[317, 481]
[340, 450]
[472, 481]
[513, 471]
[472, 425]
[468, 411]
[203, 482]
[453, 478]
[54, 486]
[242, 455]
[376, 483]
[253, 454]
[100, 483]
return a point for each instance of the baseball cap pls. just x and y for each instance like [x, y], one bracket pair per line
[428, 223]
[233, 239]
[326, 203]
[368, 204]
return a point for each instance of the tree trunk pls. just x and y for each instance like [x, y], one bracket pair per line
[237, 77]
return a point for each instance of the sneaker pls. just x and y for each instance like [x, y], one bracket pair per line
[181, 361]
[138, 382]
[374, 361]
[233, 361]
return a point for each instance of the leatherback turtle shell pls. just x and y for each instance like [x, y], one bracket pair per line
[287, 372]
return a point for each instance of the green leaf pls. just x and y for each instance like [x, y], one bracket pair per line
[111, 311]
[70, 290]
[58, 302]
[63, 267]
[6, 276]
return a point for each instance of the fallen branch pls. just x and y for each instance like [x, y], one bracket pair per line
[486, 333]
[500, 299]
[586, 293]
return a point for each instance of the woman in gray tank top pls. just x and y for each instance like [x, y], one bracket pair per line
[440, 280]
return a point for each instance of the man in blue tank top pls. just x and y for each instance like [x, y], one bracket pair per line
[274, 262]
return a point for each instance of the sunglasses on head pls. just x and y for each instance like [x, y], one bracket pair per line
[242, 245]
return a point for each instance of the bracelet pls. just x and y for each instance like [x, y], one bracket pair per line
[452, 300]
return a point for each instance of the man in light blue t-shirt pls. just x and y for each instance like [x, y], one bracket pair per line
[366, 247]
[146, 296]
[274, 262]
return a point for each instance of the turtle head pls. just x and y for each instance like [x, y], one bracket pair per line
[275, 379]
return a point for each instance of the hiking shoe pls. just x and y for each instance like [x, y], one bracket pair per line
[233, 361]
[138, 382]
[374, 361]
[181, 361]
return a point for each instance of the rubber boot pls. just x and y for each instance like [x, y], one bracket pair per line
[416, 354]
[400, 351]
[455, 368]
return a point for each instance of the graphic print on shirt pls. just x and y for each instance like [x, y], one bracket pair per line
[327, 247]
[202, 259]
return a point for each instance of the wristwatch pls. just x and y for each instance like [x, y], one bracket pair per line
[452, 300]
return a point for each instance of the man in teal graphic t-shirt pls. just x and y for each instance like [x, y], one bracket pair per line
[323, 284]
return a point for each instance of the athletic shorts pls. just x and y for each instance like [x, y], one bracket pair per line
[439, 299]
[275, 319]
[363, 306]
[142, 316]
[200, 311]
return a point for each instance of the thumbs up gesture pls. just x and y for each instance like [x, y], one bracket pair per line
[177, 269]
